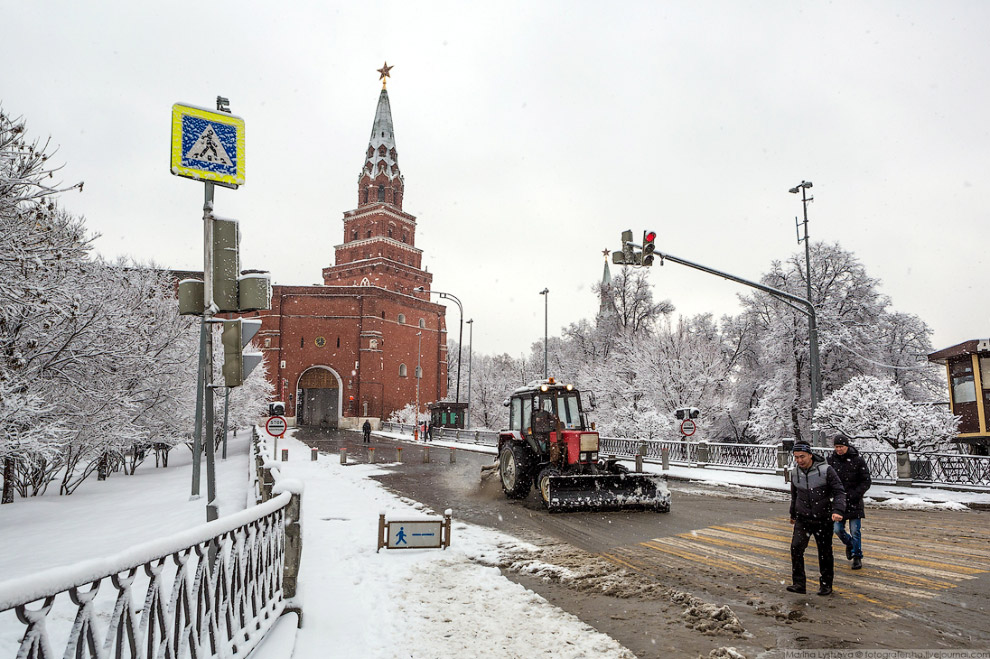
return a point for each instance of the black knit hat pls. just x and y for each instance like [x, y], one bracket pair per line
[801, 446]
[839, 440]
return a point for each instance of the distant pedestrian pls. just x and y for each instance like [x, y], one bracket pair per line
[817, 501]
[855, 476]
[429, 431]
[367, 431]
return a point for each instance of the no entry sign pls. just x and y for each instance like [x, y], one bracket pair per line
[688, 427]
[275, 426]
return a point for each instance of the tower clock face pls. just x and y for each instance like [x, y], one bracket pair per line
[320, 342]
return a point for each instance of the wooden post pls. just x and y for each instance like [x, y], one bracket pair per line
[398, 454]
[343, 455]
[314, 454]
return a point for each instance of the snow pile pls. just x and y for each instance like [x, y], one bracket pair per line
[914, 503]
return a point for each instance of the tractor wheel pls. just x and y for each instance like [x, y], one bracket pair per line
[514, 467]
[543, 483]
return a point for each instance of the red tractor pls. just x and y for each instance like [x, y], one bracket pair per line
[550, 444]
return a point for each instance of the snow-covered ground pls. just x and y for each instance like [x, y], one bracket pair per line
[356, 600]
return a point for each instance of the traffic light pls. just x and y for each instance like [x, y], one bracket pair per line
[237, 364]
[626, 256]
[648, 246]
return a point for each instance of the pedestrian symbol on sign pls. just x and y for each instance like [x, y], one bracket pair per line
[400, 537]
[209, 148]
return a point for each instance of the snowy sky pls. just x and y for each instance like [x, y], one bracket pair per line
[531, 134]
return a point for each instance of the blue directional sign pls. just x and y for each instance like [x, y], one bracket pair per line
[207, 145]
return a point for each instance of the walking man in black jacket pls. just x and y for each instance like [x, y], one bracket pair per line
[817, 501]
[855, 476]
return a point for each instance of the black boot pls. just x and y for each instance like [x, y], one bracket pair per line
[825, 590]
[857, 563]
[794, 588]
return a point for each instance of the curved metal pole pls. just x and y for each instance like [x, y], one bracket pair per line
[460, 334]
[809, 310]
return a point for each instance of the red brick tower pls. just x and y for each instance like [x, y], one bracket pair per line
[348, 350]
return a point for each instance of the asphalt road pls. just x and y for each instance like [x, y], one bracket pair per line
[926, 583]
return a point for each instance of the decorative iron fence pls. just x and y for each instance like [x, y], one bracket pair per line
[951, 469]
[935, 469]
[211, 591]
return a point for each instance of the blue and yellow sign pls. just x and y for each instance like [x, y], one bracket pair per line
[207, 145]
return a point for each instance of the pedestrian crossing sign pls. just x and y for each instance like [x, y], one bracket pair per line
[207, 145]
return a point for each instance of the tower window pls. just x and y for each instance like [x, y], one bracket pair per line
[302, 342]
[369, 233]
[383, 315]
[381, 193]
[402, 370]
[422, 324]
[354, 233]
[390, 232]
[402, 318]
[338, 341]
[365, 196]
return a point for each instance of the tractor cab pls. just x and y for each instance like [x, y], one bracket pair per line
[550, 443]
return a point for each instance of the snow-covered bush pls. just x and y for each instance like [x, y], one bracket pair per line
[407, 415]
[874, 408]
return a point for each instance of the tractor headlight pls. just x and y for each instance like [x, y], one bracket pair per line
[589, 441]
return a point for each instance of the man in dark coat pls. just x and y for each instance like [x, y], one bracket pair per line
[855, 476]
[367, 431]
[817, 500]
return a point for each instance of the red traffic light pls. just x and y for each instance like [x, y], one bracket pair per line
[651, 236]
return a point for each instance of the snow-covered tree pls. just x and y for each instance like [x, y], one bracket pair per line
[857, 335]
[875, 409]
[42, 249]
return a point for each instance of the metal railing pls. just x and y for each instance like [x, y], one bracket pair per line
[926, 468]
[211, 591]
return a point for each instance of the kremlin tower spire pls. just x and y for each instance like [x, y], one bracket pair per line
[379, 237]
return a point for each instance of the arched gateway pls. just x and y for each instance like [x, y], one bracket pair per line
[319, 398]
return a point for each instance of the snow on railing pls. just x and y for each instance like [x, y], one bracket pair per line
[211, 591]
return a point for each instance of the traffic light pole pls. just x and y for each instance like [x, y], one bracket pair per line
[806, 307]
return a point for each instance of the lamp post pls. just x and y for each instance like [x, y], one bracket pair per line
[816, 374]
[546, 296]
[467, 412]
[460, 334]
[419, 371]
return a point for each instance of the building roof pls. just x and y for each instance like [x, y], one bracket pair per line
[382, 135]
[973, 346]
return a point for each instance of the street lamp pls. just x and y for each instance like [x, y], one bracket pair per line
[816, 373]
[546, 296]
[460, 333]
[467, 412]
[419, 371]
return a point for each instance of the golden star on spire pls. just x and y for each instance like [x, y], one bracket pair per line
[384, 73]
[605, 252]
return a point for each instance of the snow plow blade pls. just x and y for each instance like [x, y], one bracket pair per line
[609, 492]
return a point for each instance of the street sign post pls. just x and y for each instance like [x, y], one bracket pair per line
[275, 426]
[207, 145]
[688, 427]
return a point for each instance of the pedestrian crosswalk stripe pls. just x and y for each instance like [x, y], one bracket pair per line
[899, 572]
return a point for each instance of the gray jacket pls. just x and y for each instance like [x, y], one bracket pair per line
[816, 493]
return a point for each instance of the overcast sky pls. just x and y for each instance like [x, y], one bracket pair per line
[531, 134]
